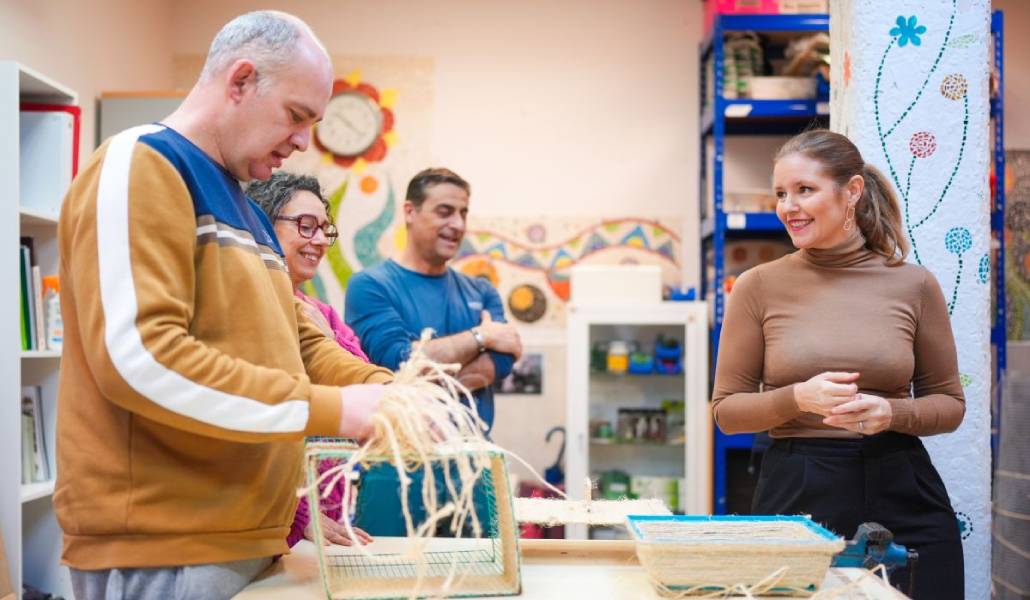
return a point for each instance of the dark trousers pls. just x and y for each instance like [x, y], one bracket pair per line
[887, 478]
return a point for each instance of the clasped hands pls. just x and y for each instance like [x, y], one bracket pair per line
[834, 395]
[500, 337]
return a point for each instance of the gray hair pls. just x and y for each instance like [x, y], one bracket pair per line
[266, 37]
[276, 192]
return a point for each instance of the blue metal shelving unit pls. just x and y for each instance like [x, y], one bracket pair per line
[722, 117]
[753, 111]
[998, 330]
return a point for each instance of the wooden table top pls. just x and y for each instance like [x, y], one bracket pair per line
[551, 569]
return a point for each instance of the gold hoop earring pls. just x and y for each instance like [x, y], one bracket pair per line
[849, 218]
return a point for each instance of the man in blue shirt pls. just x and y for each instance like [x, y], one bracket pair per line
[390, 304]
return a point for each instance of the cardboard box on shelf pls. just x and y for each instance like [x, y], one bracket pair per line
[616, 284]
[762, 7]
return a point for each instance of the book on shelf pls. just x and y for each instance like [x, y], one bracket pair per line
[28, 318]
[28, 461]
[37, 306]
[35, 457]
[33, 319]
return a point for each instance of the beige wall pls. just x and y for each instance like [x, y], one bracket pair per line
[1017, 66]
[573, 107]
[91, 46]
[577, 107]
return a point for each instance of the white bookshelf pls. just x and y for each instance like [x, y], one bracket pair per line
[41, 354]
[35, 491]
[593, 394]
[35, 217]
[31, 536]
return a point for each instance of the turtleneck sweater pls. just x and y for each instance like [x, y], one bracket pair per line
[838, 309]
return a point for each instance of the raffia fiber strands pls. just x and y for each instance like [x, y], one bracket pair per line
[772, 585]
[421, 423]
[702, 558]
[553, 511]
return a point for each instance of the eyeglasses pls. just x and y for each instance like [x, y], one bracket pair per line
[307, 224]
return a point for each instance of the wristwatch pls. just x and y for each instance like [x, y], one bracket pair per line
[480, 339]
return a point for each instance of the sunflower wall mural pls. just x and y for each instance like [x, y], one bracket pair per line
[375, 134]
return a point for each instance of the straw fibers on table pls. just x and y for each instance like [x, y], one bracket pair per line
[552, 511]
[425, 418]
[706, 557]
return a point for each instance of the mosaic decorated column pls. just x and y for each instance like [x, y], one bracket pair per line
[910, 88]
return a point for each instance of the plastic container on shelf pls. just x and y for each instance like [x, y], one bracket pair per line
[713, 7]
[641, 363]
[763, 7]
[749, 200]
[668, 356]
[781, 88]
[627, 424]
[52, 312]
[675, 421]
[46, 157]
[614, 485]
[665, 489]
[744, 58]
[599, 356]
[804, 6]
[618, 357]
[745, 6]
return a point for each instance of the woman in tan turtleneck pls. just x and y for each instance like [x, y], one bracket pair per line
[844, 353]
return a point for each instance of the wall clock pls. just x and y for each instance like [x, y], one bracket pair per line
[351, 125]
[357, 127]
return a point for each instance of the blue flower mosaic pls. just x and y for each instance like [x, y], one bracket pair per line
[965, 524]
[907, 31]
[984, 271]
[958, 240]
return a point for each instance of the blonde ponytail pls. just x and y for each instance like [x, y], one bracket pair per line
[878, 216]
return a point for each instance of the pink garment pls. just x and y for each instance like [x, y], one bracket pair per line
[345, 336]
[332, 506]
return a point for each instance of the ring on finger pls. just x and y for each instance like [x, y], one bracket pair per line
[861, 425]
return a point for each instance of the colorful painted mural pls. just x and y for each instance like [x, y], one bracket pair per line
[528, 260]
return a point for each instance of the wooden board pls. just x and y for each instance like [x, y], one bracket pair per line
[566, 569]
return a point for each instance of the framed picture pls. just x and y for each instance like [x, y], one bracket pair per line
[526, 377]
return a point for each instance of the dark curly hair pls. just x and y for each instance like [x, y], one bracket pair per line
[275, 192]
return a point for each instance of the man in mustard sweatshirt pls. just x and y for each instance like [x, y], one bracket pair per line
[190, 374]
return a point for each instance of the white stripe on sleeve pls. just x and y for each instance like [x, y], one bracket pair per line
[136, 365]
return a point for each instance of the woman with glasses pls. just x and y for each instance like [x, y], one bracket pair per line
[299, 213]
